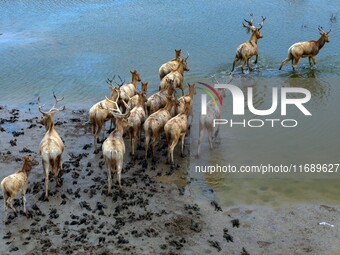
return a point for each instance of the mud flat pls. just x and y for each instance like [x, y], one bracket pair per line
[156, 213]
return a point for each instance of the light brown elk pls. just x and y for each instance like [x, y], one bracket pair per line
[248, 49]
[154, 124]
[175, 129]
[114, 147]
[170, 65]
[136, 120]
[306, 49]
[181, 101]
[207, 121]
[128, 90]
[135, 98]
[175, 78]
[98, 116]
[159, 99]
[51, 146]
[17, 182]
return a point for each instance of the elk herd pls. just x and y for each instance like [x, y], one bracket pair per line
[130, 111]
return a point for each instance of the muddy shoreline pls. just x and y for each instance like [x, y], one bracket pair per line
[156, 213]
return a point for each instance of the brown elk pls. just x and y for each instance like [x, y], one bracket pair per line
[159, 99]
[114, 146]
[248, 49]
[51, 146]
[136, 120]
[306, 49]
[17, 182]
[175, 78]
[170, 65]
[128, 90]
[207, 121]
[176, 128]
[154, 124]
[135, 98]
[98, 116]
[181, 102]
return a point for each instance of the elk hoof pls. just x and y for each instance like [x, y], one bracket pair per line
[46, 198]
[182, 155]
[109, 193]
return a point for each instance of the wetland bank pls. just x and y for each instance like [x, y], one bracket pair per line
[72, 47]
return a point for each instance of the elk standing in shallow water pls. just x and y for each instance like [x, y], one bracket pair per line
[181, 102]
[248, 49]
[17, 182]
[306, 49]
[51, 146]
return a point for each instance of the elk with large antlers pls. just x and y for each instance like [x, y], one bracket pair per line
[114, 146]
[306, 49]
[98, 115]
[136, 120]
[17, 182]
[170, 65]
[154, 124]
[181, 102]
[51, 146]
[248, 49]
[207, 121]
[176, 128]
[175, 78]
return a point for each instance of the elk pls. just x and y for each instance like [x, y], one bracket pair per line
[51, 146]
[128, 90]
[175, 129]
[176, 76]
[207, 121]
[17, 182]
[98, 115]
[170, 65]
[154, 124]
[135, 120]
[159, 99]
[135, 98]
[114, 146]
[248, 49]
[306, 49]
[181, 101]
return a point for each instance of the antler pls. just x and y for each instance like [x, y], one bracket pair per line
[54, 107]
[109, 82]
[121, 82]
[187, 56]
[261, 25]
[250, 23]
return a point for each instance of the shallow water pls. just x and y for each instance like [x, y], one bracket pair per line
[72, 47]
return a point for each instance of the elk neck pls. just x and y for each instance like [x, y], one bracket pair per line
[253, 39]
[321, 42]
[27, 166]
[49, 125]
[134, 79]
[119, 129]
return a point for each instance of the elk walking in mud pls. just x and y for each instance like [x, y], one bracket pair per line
[17, 182]
[248, 49]
[306, 49]
[51, 146]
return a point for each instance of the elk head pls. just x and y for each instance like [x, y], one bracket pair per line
[178, 53]
[135, 76]
[250, 26]
[47, 117]
[144, 87]
[324, 34]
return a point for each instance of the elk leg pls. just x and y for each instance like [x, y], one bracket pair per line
[234, 63]
[182, 151]
[24, 197]
[314, 60]
[255, 62]
[309, 60]
[9, 204]
[147, 140]
[210, 137]
[295, 62]
[47, 170]
[119, 174]
[249, 69]
[109, 179]
[154, 140]
[5, 206]
[201, 133]
[285, 61]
